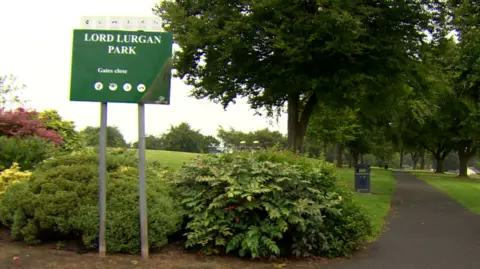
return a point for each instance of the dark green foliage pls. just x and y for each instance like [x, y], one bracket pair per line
[115, 139]
[232, 138]
[61, 199]
[27, 152]
[181, 138]
[269, 203]
[53, 121]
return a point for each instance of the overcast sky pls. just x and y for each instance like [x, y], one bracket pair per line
[35, 46]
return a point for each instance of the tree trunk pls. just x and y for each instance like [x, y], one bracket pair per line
[422, 159]
[350, 160]
[339, 154]
[292, 121]
[355, 158]
[464, 156]
[440, 153]
[362, 159]
[298, 122]
[325, 149]
[401, 158]
[414, 156]
[463, 169]
[439, 162]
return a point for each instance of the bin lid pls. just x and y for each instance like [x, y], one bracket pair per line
[364, 166]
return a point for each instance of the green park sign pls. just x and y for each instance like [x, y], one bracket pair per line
[121, 66]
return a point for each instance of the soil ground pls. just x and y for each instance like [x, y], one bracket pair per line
[427, 230]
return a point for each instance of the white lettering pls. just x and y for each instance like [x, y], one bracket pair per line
[121, 50]
[104, 70]
[98, 37]
[121, 71]
[142, 39]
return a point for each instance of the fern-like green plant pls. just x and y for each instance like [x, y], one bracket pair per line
[268, 203]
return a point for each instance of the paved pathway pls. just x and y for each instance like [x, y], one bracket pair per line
[428, 230]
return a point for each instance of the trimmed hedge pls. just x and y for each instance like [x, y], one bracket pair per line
[61, 199]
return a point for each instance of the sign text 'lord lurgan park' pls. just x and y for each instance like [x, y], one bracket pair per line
[122, 38]
[121, 66]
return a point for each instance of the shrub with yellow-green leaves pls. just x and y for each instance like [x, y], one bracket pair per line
[12, 175]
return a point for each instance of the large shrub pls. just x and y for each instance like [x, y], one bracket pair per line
[61, 199]
[269, 203]
[28, 152]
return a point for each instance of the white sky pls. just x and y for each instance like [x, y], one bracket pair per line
[35, 46]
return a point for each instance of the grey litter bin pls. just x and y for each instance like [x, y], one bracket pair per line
[362, 178]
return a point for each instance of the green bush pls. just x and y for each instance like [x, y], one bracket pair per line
[12, 175]
[27, 152]
[269, 203]
[61, 199]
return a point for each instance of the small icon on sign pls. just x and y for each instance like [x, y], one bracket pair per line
[87, 22]
[112, 86]
[161, 100]
[98, 86]
[141, 87]
[127, 87]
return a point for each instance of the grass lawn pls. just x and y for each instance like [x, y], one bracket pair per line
[171, 159]
[378, 202]
[465, 190]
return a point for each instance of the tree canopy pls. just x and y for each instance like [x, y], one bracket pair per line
[182, 138]
[90, 136]
[297, 52]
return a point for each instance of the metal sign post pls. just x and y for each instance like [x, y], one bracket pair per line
[124, 60]
[141, 181]
[102, 178]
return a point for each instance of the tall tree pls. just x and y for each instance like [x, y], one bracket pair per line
[232, 138]
[333, 125]
[297, 52]
[151, 142]
[115, 138]
[186, 139]
[467, 81]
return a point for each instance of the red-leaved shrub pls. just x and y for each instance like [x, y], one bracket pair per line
[23, 123]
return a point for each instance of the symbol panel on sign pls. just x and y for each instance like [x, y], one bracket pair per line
[127, 87]
[141, 87]
[113, 86]
[98, 86]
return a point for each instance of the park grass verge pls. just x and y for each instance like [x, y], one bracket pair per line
[172, 159]
[377, 204]
[466, 191]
